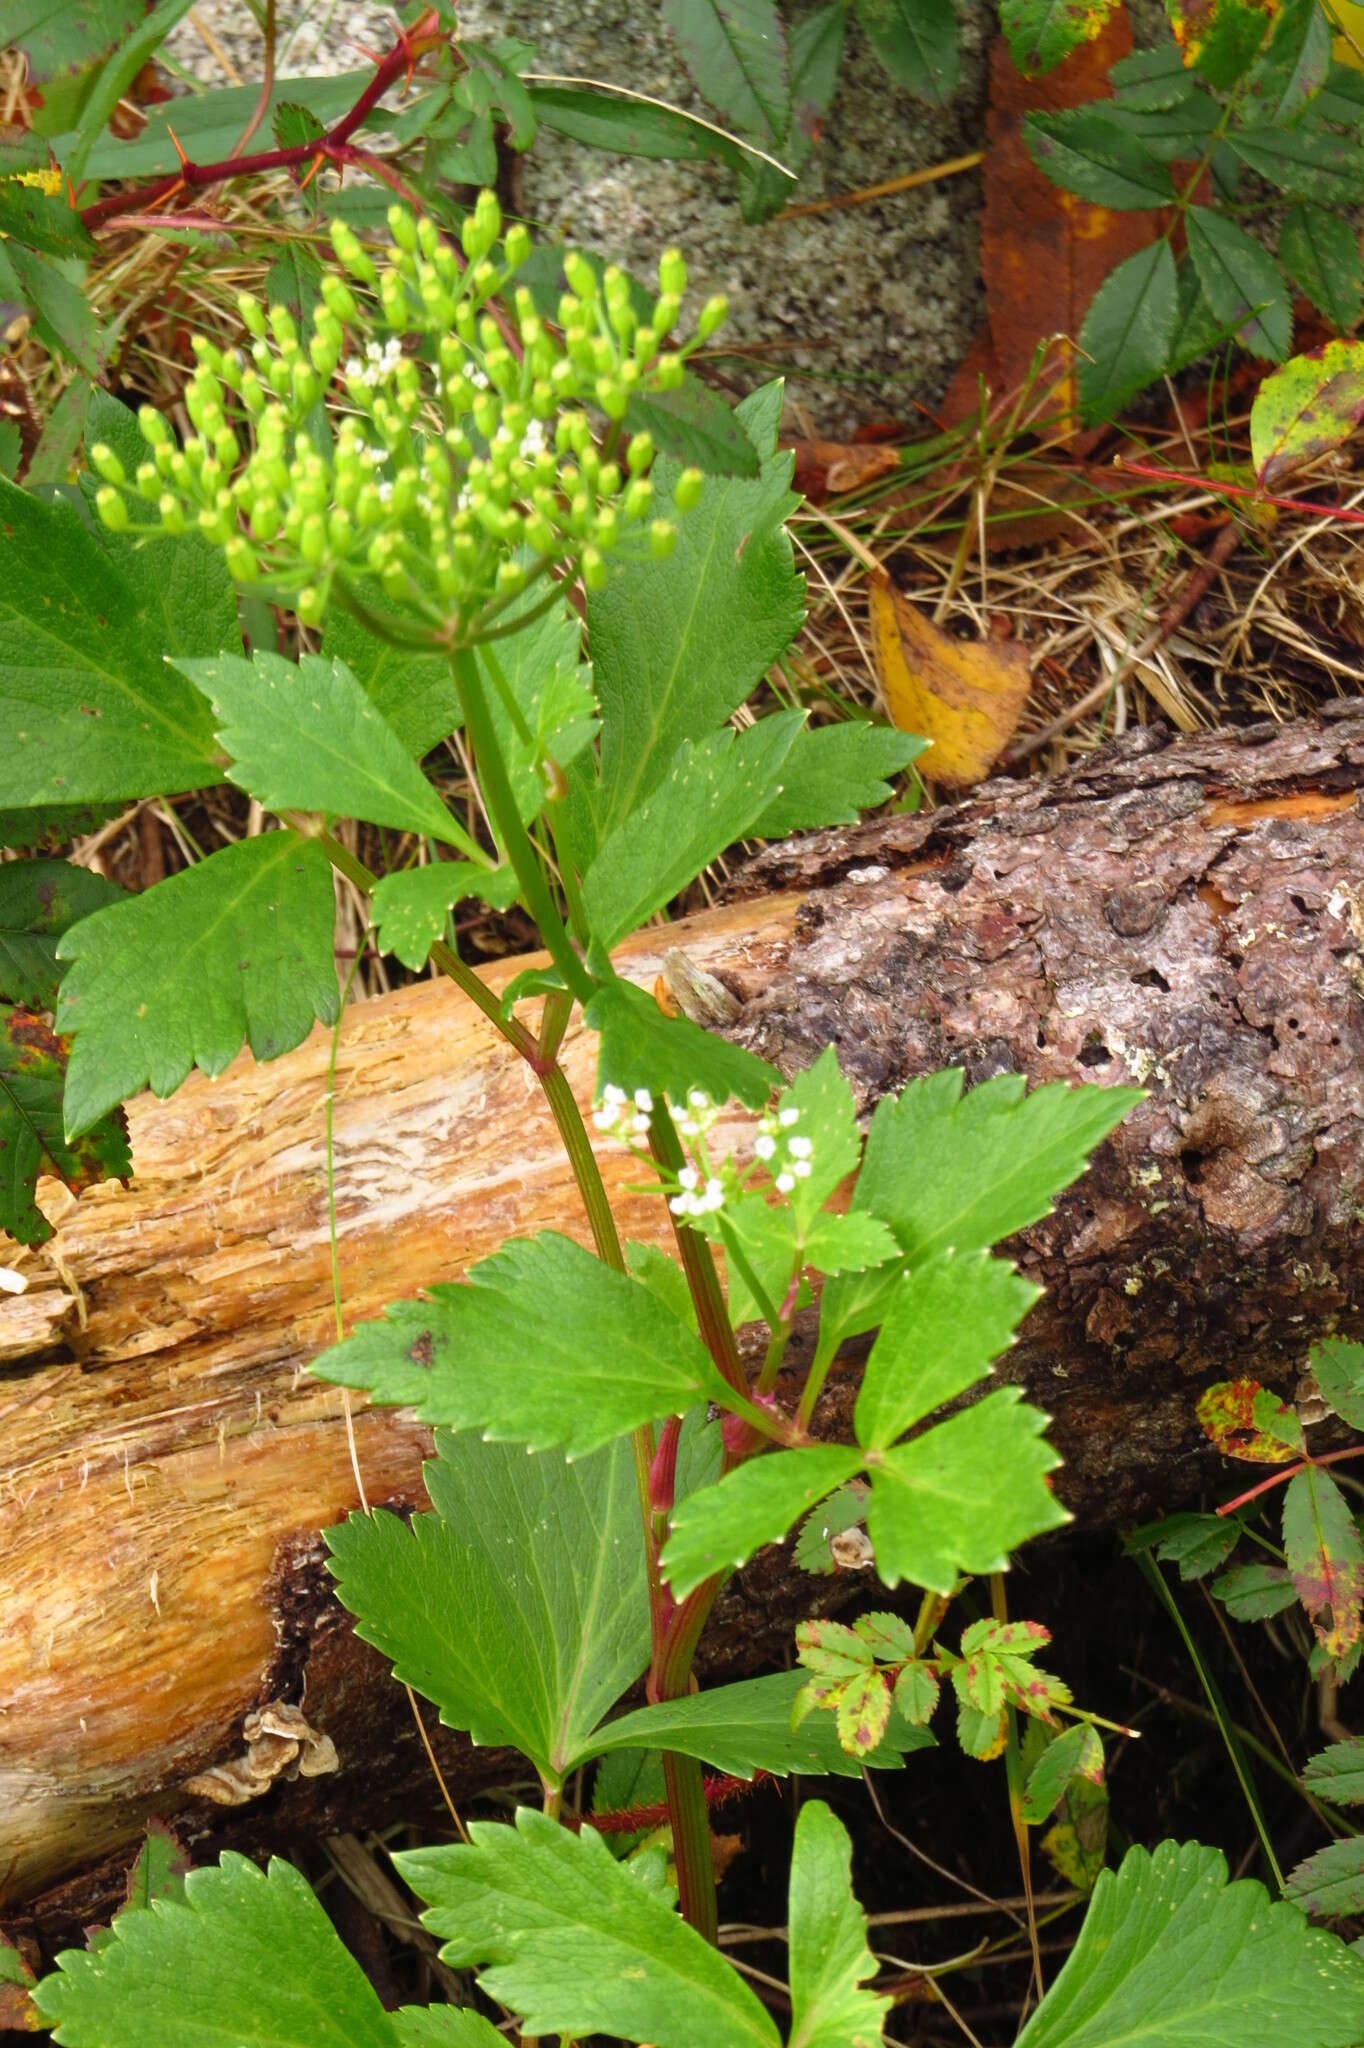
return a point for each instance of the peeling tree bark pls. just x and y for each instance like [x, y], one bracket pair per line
[1188, 914]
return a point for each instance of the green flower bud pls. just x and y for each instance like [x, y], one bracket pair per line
[672, 273]
[312, 539]
[668, 373]
[278, 378]
[339, 299]
[105, 463]
[687, 491]
[638, 498]
[570, 313]
[350, 255]
[324, 356]
[112, 509]
[665, 314]
[283, 327]
[264, 516]
[253, 394]
[311, 606]
[608, 480]
[395, 583]
[230, 370]
[148, 485]
[403, 229]
[582, 278]
[662, 539]
[516, 247]
[540, 534]
[611, 398]
[253, 320]
[340, 530]
[564, 380]
[226, 448]
[240, 558]
[511, 577]
[172, 512]
[594, 569]
[155, 432]
[305, 384]
[393, 298]
[481, 227]
[713, 314]
[607, 528]
[487, 413]
[645, 344]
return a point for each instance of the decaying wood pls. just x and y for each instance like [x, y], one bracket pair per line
[1189, 914]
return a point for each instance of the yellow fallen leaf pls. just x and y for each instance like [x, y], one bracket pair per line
[965, 696]
[1346, 48]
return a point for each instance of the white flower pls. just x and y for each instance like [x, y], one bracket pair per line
[680, 1205]
[801, 1169]
[533, 440]
[764, 1145]
[787, 1117]
[688, 1177]
[689, 1127]
[604, 1119]
[715, 1193]
[355, 369]
[698, 1098]
[639, 1125]
[784, 1183]
[385, 489]
[610, 1093]
[799, 1148]
[643, 1100]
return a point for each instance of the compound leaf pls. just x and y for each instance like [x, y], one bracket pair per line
[917, 42]
[1246, 1420]
[412, 691]
[1090, 152]
[410, 908]
[948, 1320]
[643, 1048]
[1128, 330]
[1041, 32]
[1244, 286]
[830, 1958]
[1320, 252]
[544, 1345]
[518, 1606]
[1170, 1952]
[736, 52]
[573, 1943]
[32, 1076]
[962, 1495]
[239, 946]
[194, 1973]
[834, 773]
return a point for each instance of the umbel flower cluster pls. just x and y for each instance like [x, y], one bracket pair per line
[781, 1153]
[465, 465]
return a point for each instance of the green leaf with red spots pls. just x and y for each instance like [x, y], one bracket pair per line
[39, 899]
[981, 1735]
[916, 1693]
[1041, 32]
[863, 1712]
[1252, 1592]
[996, 1669]
[832, 1650]
[1331, 1882]
[1325, 1556]
[1310, 406]
[32, 1077]
[1245, 1420]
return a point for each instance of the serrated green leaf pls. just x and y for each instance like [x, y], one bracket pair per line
[756, 1503]
[88, 710]
[444, 2026]
[999, 1159]
[847, 1244]
[1330, 1883]
[1337, 1773]
[57, 38]
[1088, 150]
[195, 1973]
[305, 737]
[736, 52]
[1170, 1952]
[834, 773]
[42, 220]
[238, 947]
[746, 1727]
[831, 1961]
[552, 692]
[519, 1606]
[33, 1071]
[1320, 252]
[629, 127]
[1077, 1751]
[917, 42]
[294, 280]
[1252, 1592]
[1149, 81]
[414, 692]
[1198, 1544]
[1324, 1553]
[39, 899]
[816, 49]
[694, 426]
[1310, 406]
[571, 1942]
[1221, 38]
[947, 1321]
[1294, 66]
[844, 1509]
[54, 289]
[1242, 282]
[713, 794]
[1341, 99]
[1127, 331]
[160, 1868]
[410, 908]
[1041, 32]
[1304, 163]
[294, 124]
[1246, 1420]
[862, 1711]
[544, 1346]
[817, 1128]
[180, 582]
[1338, 1369]
[641, 1048]
[678, 645]
[960, 1497]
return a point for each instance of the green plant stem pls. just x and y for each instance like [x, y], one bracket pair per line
[506, 821]
[690, 1821]
[698, 1262]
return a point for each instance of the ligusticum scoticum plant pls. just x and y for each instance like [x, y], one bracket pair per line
[427, 478]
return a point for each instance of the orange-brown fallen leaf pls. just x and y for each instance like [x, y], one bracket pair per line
[966, 696]
[825, 469]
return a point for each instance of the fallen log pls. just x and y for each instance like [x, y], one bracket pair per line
[1189, 914]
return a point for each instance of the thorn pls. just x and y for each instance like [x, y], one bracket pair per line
[175, 144]
[313, 169]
